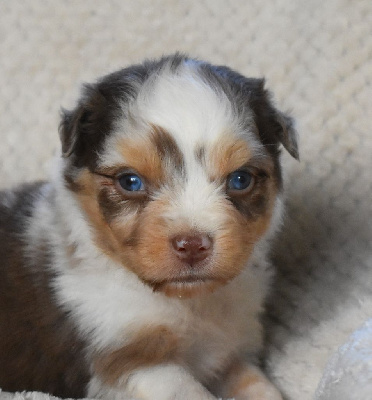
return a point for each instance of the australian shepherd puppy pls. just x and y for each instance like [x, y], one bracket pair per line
[140, 270]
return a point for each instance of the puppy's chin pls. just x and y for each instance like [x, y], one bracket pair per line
[188, 287]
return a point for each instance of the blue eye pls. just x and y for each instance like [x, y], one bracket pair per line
[131, 182]
[239, 180]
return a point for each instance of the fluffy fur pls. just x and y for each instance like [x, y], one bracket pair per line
[153, 293]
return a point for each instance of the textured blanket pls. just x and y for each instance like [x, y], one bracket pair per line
[26, 396]
[317, 58]
[348, 375]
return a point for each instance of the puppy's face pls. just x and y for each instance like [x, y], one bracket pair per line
[175, 165]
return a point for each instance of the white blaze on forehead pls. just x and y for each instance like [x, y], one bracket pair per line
[191, 109]
[185, 105]
[182, 103]
[194, 114]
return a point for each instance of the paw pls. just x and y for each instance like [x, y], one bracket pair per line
[259, 391]
[247, 382]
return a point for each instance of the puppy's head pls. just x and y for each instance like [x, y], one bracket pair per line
[175, 164]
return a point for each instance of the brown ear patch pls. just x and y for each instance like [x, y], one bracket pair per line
[151, 346]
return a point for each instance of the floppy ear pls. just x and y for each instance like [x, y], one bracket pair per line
[69, 129]
[79, 126]
[83, 129]
[287, 134]
[273, 125]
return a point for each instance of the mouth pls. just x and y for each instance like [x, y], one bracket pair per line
[188, 286]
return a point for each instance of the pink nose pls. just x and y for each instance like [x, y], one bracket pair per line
[192, 248]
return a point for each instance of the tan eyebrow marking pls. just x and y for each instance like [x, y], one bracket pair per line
[228, 154]
[152, 156]
[140, 155]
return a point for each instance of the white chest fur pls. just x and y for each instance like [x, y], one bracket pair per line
[110, 305]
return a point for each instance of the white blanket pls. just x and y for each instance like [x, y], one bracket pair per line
[348, 375]
[26, 396]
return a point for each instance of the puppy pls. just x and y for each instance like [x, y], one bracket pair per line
[140, 270]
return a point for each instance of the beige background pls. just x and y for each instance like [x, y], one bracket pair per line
[317, 58]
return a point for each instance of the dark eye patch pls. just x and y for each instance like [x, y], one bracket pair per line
[252, 201]
[112, 203]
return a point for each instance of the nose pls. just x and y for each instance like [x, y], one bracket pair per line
[192, 248]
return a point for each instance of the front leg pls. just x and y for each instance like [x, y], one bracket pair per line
[166, 382]
[247, 382]
[161, 382]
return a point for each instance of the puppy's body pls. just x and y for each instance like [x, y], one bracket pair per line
[140, 270]
[39, 346]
